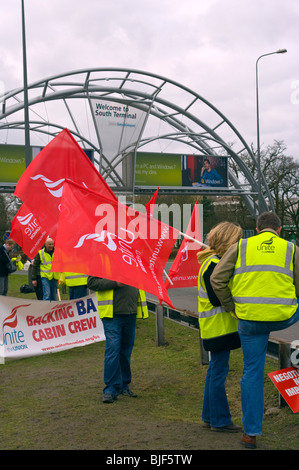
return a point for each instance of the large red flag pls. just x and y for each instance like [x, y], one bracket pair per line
[104, 238]
[27, 232]
[184, 270]
[40, 186]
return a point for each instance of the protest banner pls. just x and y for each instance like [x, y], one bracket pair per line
[33, 327]
[287, 383]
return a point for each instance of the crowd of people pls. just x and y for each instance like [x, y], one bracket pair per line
[246, 289]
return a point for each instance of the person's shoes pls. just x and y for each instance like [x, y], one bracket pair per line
[108, 398]
[229, 428]
[128, 393]
[206, 425]
[248, 441]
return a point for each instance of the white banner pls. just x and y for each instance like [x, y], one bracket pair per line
[35, 327]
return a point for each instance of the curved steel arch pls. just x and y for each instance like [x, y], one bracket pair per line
[161, 100]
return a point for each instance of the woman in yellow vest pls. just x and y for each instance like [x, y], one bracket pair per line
[119, 305]
[218, 329]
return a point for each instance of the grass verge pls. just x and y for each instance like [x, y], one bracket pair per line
[53, 402]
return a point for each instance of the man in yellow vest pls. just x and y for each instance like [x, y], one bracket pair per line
[42, 263]
[119, 305]
[264, 275]
[77, 284]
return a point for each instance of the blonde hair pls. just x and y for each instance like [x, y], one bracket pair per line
[220, 238]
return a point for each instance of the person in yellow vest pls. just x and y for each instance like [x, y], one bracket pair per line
[258, 279]
[77, 284]
[119, 305]
[42, 263]
[218, 329]
[18, 262]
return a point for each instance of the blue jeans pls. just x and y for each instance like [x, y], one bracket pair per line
[254, 336]
[215, 405]
[75, 292]
[120, 338]
[49, 288]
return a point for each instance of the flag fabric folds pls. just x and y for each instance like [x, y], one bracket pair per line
[27, 231]
[41, 184]
[104, 238]
[185, 267]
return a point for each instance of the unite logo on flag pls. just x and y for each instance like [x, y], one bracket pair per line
[104, 237]
[52, 186]
[30, 222]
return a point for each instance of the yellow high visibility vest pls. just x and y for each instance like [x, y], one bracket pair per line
[45, 265]
[213, 321]
[105, 304]
[75, 279]
[262, 284]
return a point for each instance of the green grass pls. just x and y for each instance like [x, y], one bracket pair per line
[54, 401]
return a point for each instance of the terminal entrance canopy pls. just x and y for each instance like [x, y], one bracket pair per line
[120, 116]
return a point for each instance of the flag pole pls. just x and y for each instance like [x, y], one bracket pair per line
[193, 239]
[168, 278]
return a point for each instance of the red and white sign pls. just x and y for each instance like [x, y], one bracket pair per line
[287, 383]
[34, 327]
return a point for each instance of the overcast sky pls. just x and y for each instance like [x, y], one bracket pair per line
[210, 46]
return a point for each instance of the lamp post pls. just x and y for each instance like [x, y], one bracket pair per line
[26, 112]
[260, 204]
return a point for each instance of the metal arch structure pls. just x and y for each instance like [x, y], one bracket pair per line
[170, 115]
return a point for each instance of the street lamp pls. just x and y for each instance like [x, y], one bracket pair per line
[260, 206]
[26, 112]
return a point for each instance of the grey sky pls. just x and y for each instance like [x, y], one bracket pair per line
[210, 46]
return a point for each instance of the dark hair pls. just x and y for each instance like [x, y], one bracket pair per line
[268, 220]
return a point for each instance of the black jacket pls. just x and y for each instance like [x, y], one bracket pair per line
[124, 297]
[4, 260]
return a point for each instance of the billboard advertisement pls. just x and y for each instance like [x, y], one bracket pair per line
[12, 163]
[177, 170]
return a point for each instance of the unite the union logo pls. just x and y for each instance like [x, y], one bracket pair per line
[267, 246]
[54, 187]
[104, 237]
[12, 319]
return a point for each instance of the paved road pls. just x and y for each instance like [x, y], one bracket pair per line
[186, 299]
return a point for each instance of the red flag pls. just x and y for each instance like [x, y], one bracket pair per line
[40, 186]
[27, 232]
[184, 270]
[104, 238]
[150, 206]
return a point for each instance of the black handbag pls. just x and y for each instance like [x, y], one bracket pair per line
[10, 266]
